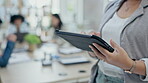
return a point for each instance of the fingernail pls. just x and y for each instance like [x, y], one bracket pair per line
[90, 46]
[94, 44]
[111, 40]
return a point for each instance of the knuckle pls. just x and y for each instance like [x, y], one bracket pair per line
[99, 57]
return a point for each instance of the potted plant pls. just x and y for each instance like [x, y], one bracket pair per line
[33, 41]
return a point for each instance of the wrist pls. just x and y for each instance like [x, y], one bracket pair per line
[129, 65]
[132, 69]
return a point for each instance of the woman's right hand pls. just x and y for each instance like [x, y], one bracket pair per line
[92, 33]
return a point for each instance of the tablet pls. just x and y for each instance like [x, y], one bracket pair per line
[82, 41]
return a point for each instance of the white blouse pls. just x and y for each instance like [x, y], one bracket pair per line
[24, 28]
[112, 30]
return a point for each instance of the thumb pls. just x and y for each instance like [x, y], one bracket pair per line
[114, 45]
[98, 34]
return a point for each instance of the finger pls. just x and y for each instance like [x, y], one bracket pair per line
[102, 50]
[97, 53]
[98, 34]
[92, 54]
[83, 32]
[92, 33]
[114, 45]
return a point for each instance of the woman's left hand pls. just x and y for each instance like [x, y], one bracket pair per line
[118, 58]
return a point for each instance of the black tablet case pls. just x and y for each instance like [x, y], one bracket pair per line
[83, 41]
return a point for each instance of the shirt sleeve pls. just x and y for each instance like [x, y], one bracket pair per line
[6, 55]
[25, 28]
[145, 78]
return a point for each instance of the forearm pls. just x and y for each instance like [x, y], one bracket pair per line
[140, 68]
[7, 52]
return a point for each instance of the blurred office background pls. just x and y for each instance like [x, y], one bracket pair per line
[76, 15]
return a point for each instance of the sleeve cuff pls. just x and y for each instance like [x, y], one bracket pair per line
[11, 44]
[145, 78]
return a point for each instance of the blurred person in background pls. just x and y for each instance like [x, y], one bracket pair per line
[1, 35]
[4, 57]
[1, 22]
[56, 24]
[2, 31]
[18, 26]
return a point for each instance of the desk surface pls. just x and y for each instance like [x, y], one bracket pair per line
[34, 72]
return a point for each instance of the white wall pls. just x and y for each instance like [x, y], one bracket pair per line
[71, 12]
[93, 11]
[84, 12]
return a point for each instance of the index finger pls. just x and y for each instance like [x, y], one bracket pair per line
[94, 33]
[102, 50]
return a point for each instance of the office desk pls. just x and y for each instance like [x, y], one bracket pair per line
[34, 72]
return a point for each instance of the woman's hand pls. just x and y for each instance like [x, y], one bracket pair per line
[118, 58]
[92, 33]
